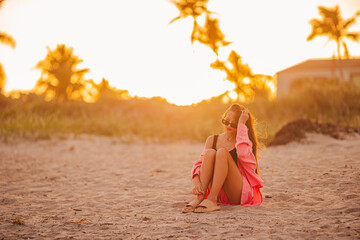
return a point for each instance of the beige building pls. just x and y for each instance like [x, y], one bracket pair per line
[313, 69]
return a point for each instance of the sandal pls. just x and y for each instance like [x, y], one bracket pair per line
[193, 204]
[206, 206]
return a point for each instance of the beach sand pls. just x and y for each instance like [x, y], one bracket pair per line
[92, 187]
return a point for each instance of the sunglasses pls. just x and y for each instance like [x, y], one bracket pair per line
[226, 122]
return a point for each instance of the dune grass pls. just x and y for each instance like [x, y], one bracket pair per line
[156, 120]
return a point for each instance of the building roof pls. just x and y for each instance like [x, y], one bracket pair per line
[323, 64]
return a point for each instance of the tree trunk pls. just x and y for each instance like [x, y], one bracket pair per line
[340, 62]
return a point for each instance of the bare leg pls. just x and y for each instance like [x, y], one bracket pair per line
[206, 173]
[226, 174]
[207, 168]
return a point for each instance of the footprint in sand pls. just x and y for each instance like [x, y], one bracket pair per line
[351, 196]
[310, 203]
[352, 210]
[317, 198]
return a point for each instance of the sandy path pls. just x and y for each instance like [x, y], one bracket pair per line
[100, 188]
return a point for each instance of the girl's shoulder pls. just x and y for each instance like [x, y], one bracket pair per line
[209, 141]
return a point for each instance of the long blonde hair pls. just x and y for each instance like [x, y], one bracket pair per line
[237, 109]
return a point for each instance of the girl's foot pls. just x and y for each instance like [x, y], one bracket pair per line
[190, 207]
[207, 206]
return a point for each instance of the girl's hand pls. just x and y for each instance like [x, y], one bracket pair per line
[244, 116]
[197, 190]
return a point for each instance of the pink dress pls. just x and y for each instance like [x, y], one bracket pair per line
[251, 194]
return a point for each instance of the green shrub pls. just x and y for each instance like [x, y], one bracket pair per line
[156, 119]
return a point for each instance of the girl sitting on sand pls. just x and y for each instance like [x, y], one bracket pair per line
[227, 168]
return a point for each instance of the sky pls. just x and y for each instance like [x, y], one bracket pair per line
[133, 46]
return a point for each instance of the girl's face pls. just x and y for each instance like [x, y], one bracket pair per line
[230, 117]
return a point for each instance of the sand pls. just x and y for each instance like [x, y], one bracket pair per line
[101, 188]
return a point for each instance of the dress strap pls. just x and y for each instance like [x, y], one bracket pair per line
[214, 142]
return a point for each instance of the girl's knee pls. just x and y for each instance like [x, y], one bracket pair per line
[221, 152]
[222, 155]
[210, 153]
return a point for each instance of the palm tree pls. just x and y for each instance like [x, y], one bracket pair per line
[334, 27]
[247, 84]
[59, 77]
[7, 40]
[109, 94]
[236, 74]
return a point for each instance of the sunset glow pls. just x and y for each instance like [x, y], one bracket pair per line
[133, 46]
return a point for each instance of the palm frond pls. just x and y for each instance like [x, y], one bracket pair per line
[315, 23]
[210, 34]
[354, 36]
[349, 22]
[331, 13]
[7, 39]
[174, 19]
[193, 8]
[81, 72]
